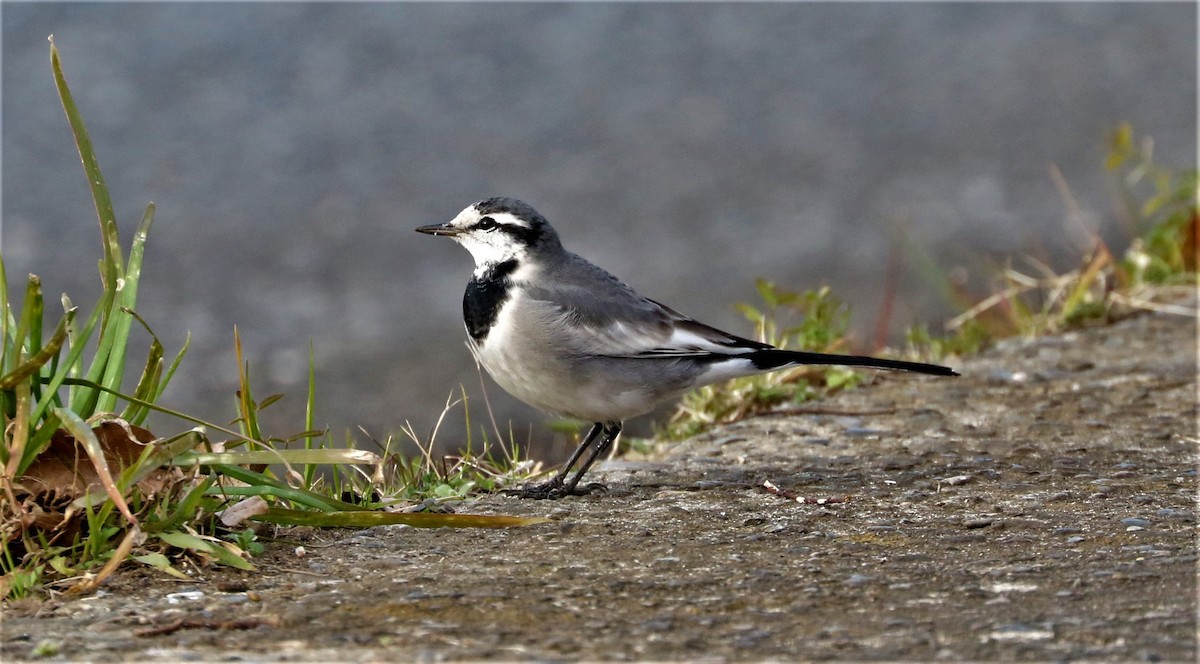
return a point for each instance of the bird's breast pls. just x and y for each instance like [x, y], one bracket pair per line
[486, 294]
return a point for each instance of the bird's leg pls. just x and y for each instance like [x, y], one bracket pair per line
[611, 431]
[554, 487]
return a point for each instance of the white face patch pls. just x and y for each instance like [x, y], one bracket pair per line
[488, 246]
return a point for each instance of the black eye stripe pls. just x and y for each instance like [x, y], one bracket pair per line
[519, 232]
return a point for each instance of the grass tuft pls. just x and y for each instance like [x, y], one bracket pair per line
[811, 321]
[1157, 272]
[87, 488]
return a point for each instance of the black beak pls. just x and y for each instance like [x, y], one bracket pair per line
[439, 229]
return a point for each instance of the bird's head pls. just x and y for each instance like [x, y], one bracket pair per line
[497, 230]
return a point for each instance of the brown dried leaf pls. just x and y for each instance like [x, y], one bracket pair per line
[64, 468]
[63, 472]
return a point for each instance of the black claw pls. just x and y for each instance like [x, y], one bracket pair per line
[553, 490]
[558, 487]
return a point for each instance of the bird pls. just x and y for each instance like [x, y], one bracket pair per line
[568, 338]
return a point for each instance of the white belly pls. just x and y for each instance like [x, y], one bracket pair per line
[521, 355]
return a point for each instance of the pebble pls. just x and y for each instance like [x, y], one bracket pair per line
[1172, 513]
[956, 480]
[1022, 632]
[1136, 522]
[858, 579]
[186, 596]
[1005, 376]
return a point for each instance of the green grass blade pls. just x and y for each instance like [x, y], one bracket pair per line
[246, 407]
[89, 400]
[43, 355]
[40, 440]
[22, 346]
[291, 494]
[35, 339]
[160, 562]
[310, 402]
[30, 308]
[186, 509]
[84, 435]
[17, 448]
[71, 367]
[6, 318]
[157, 408]
[365, 519]
[304, 496]
[5, 400]
[147, 385]
[310, 470]
[299, 456]
[193, 543]
[84, 402]
[162, 384]
[123, 318]
[103, 203]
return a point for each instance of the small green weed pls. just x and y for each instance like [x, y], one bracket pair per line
[424, 476]
[1157, 272]
[86, 487]
[813, 321]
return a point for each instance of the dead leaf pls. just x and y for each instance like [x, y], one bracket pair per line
[244, 509]
[63, 472]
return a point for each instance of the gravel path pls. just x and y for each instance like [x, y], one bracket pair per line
[1040, 507]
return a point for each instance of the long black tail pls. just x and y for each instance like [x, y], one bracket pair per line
[774, 358]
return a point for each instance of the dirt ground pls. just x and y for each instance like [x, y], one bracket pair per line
[1040, 507]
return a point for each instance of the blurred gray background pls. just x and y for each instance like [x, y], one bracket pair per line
[689, 148]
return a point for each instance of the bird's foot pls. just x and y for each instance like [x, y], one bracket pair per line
[554, 489]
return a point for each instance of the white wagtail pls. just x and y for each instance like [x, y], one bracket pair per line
[568, 338]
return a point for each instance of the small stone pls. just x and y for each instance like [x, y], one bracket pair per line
[1172, 513]
[956, 480]
[857, 579]
[971, 524]
[1136, 522]
[1005, 376]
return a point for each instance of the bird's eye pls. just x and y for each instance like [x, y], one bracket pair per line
[486, 224]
